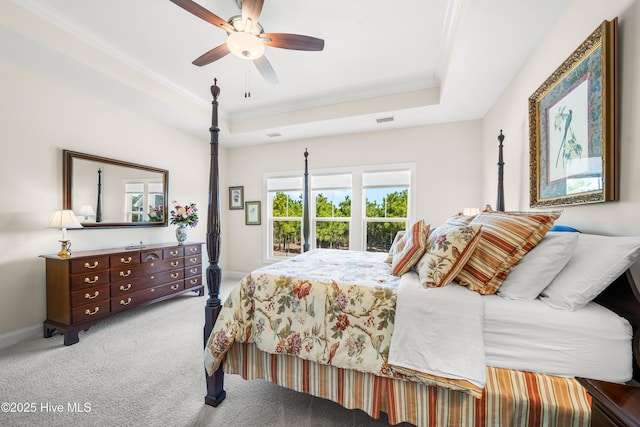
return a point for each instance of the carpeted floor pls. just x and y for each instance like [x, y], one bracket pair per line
[144, 368]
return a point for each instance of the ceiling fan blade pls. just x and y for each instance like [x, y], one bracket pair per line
[264, 66]
[251, 9]
[199, 11]
[292, 41]
[212, 55]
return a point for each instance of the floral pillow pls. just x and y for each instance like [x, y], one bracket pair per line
[448, 249]
[396, 246]
[504, 239]
[414, 244]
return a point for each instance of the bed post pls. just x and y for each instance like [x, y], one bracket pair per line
[305, 209]
[215, 382]
[500, 201]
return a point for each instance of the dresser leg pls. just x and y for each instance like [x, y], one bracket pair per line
[71, 336]
[48, 331]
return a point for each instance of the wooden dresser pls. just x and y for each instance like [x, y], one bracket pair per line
[92, 285]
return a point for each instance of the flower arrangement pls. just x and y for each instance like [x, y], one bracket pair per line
[155, 213]
[184, 215]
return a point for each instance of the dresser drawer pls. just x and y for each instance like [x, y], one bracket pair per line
[124, 259]
[151, 255]
[173, 253]
[84, 265]
[89, 280]
[190, 282]
[192, 260]
[127, 301]
[90, 311]
[195, 270]
[89, 295]
[192, 250]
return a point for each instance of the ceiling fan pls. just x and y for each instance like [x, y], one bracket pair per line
[246, 38]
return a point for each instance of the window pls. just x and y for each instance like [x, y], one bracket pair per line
[284, 210]
[332, 197]
[136, 194]
[360, 208]
[386, 196]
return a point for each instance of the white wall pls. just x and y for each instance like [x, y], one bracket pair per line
[447, 168]
[40, 118]
[511, 114]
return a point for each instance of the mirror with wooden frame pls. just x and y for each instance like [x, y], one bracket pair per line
[105, 192]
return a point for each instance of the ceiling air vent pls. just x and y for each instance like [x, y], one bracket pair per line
[385, 119]
[274, 135]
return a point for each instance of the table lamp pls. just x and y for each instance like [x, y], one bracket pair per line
[86, 211]
[64, 219]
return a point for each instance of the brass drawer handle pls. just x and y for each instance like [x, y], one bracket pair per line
[123, 274]
[193, 270]
[152, 277]
[173, 288]
[193, 260]
[193, 250]
[87, 280]
[127, 302]
[175, 263]
[122, 288]
[125, 261]
[87, 265]
[91, 313]
[193, 281]
[95, 295]
[173, 253]
[175, 275]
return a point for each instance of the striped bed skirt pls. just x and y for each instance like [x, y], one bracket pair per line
[510, 398]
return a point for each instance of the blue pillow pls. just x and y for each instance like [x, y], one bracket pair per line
[564, 228]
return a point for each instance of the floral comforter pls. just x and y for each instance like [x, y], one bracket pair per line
[328, 306]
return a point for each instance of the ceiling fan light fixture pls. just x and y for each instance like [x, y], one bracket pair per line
[245, 45]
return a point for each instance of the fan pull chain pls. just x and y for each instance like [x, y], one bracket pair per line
[247, 81]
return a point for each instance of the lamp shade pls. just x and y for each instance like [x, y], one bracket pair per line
[64, 219]
[470, 211]
[245, 45]
[86, 211]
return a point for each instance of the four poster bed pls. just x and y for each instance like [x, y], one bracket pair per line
[359, 328]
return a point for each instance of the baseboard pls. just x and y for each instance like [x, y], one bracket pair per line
[233, 275]
[20, 335]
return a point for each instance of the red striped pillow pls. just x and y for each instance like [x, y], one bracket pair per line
[415, 243]
[505, 238]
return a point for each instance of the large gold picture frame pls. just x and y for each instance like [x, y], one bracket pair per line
[573, 126]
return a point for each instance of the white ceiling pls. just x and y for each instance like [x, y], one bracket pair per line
[418, 61]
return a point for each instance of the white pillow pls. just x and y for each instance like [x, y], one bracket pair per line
[539, 266]
[596, 263]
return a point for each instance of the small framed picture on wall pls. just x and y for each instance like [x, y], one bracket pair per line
[236, 197]
[252, 213]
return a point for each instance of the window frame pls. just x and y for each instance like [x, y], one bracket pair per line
[357, 221]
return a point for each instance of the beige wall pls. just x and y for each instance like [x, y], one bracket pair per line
[448, 173]
[40, 118]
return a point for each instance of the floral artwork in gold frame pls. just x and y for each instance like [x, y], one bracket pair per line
[573, 126]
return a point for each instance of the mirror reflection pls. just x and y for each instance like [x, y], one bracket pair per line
[111, 193]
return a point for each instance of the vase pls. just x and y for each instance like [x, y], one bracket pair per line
[181, 234]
